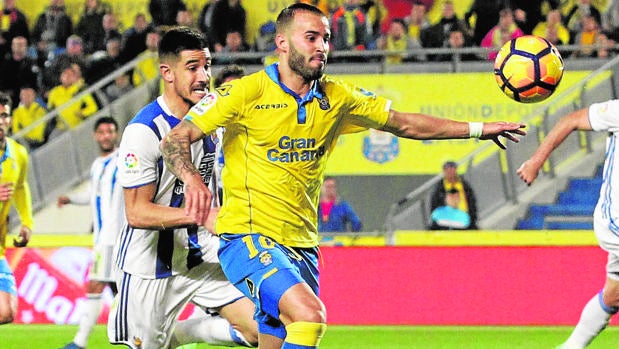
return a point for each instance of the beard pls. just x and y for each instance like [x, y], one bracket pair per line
[297, 63]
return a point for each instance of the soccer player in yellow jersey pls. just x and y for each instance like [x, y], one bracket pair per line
[281, 125]
[14, 190]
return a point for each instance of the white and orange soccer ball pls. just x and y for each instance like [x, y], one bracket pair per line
[528, 69]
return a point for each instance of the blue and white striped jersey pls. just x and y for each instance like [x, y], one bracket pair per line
[159, 253]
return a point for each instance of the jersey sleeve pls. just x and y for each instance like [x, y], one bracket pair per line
[367, 110]
[138, 156]
[603, 116]
[216, 109]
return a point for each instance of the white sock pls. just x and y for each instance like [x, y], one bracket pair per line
[593, 319]
[88, 319]
[214, 330]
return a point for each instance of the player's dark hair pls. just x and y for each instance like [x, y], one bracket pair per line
[5, 99]
[178, 39]
[105, 120]
[228, 71]
[286, 16]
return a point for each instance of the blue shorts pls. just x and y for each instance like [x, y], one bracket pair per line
[263, 270]
[7, 279]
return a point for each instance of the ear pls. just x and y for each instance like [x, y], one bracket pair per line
[282, 42]
[166, 72]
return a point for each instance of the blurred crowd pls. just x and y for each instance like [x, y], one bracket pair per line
[45, 67]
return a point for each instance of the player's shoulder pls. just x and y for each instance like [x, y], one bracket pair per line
[147, 114]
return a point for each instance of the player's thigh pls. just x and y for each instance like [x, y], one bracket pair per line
[146, 309]
[8, 292]
[240, 314]
[300, 303]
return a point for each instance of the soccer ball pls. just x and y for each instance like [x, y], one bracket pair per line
[528, 69]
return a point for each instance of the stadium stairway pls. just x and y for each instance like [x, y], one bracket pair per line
[572, 210]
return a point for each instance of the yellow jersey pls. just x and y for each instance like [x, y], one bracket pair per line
[71, 114]
[14, 169]
[276, 147]
[24, 116]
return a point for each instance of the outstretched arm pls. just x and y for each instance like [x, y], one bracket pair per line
[422, 126]
[176, 151]
[577, 120]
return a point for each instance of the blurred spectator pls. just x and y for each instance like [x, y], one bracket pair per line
[348, 27]
[13, 23]
[335, 214]
[163, 12]
[148, 66]
[17, 69]
[485, 14]
[527, 13]
[234, 44]
[204, 21]
[134, 39]
[605, 46]
[265, 40]
[322, 5]
[448, 216]
[28, 112]
[228, 73]
[90, 25]
[610, 20]
[587, 37]
[120, 87]
[451, 180]
[458, 39]
[504, 31]
[417, 21]
[375, 13]
[574, 18]
[184, 18]
[69, 114]
[74, 53]
[437, 34]
[110, 31]
[553, 29]
[53, 27]
[228, 15]
[397, 40]
[101, 64]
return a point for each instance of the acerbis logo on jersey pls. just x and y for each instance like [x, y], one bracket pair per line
[271, 106]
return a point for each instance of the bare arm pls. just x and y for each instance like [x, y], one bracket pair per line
[144, 214]
[577, 120]
[422, 126]
[176, 151]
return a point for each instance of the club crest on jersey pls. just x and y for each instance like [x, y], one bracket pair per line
[265, 258]
[205, 104]
[380, 146]
[324, 103]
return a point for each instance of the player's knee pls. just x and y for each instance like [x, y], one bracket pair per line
[305, 333]
[6, 317]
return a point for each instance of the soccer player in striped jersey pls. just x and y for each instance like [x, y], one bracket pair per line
[165, 258]
[600, 117]
[281, 125]
[105, 197]
[14, 190]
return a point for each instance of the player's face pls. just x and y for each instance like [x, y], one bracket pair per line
[106, 136]
[5, 121]
[192, 75]
[309, 45]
